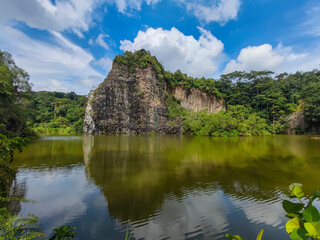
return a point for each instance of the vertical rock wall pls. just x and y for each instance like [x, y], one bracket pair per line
[134, 102]
[127, 103]
[196, 100]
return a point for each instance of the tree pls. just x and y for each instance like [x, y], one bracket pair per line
[14, 89]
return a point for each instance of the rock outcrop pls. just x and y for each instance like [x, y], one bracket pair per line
[296, 123]
[127, 103]
[133, 100]
[196, 100]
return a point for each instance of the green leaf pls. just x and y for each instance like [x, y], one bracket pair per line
[234, 237]
[292, 224]
[298, 234]
[292, 215]
[260, 235]
[315, 195]
[313, 229]
[293, 185]
[291, 207]
[311, 214]
[296, 190]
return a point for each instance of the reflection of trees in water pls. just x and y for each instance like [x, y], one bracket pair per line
[51, 153]
[17, 191]
[136, 173]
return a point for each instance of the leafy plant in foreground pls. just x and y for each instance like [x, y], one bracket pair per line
[63, 233]
[14, 227]
[7, 148]
[304, 217]
[237, 237]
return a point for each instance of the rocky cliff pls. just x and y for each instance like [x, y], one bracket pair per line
[296, 123]
[196, 100]
[132, 99]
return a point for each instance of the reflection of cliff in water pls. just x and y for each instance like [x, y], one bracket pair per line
[136, 173]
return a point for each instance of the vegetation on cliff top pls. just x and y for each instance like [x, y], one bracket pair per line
[260, 94]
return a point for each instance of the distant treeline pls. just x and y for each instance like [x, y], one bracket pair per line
[56, 112]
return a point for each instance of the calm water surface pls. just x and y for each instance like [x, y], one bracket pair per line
[169, 187]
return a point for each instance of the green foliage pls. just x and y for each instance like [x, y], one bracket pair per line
[57, 112]
[237, 121]
[14, 97]
[237, 237]
[16, 228]
[7, 148]
[274, 98]
[174, 109]
[233, 237]
[128, 234]
[63, 233]
[304, 222]
[311, 96]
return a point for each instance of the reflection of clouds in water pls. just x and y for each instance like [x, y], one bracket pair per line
[65, 191]
[271, 213]
[196, 214]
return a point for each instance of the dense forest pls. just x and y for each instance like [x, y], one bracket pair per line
[258, 102]
[56, 112]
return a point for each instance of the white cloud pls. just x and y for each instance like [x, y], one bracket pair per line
[311, 24]
[62, 66]
[177, 51]
[101, 42]
[105, 63]
[72, 15]
[261, 57]
[125, 5]
[260, 212]
[216, 11]
[279, 59]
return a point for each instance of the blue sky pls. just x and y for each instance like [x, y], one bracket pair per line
[68, 45]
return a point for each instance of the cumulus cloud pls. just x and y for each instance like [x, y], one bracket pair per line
[177, 51]
[72, 15]
[215, 11]
[279, 59]
[255, 58]
[60, 66]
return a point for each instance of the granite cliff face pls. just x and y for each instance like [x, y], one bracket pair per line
[196, 100]
[127, 103]
[134, 101]
[296, 123]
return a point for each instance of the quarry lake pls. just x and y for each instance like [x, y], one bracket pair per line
[164, 187]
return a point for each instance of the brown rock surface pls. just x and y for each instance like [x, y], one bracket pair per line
[196, 100]
[135, 102]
